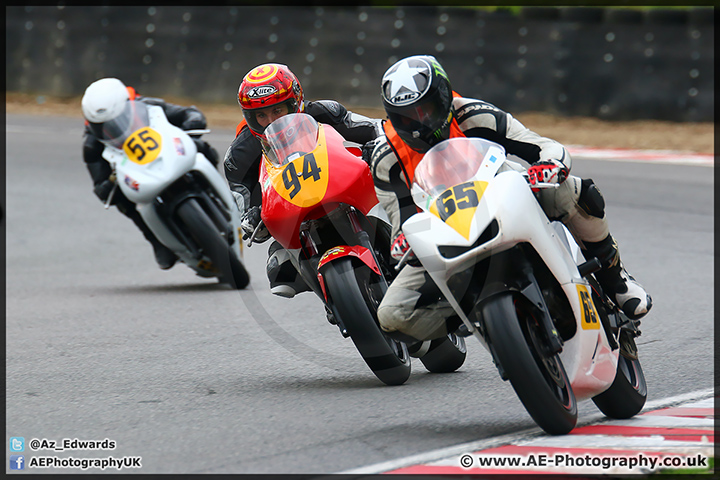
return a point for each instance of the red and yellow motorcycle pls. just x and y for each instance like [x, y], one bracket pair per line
[319, 203]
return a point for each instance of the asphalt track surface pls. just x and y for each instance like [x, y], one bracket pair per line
[197, 378]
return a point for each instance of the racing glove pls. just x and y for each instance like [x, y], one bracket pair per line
[250, 221]
[398, 249]
[547, 171]
[194, 123]
[103, 189]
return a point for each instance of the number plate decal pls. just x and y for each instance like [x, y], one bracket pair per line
[456, 206]
[303, 181]
[143, 146]
[590, 318]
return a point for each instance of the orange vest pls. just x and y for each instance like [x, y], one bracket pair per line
[408, 157]
[240, 126]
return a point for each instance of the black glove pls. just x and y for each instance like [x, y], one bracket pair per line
[250, 221]
[103, 189]
[209, 152]
[367, 150]
[194, 124]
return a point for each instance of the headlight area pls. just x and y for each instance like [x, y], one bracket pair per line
[453, 251]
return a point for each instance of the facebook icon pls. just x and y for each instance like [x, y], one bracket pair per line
[17, 462]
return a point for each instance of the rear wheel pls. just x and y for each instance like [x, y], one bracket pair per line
[517, 342]
[445, 354]
[213, 244]
[628, 392]
[354, 299]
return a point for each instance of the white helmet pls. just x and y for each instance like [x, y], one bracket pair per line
[104, 100]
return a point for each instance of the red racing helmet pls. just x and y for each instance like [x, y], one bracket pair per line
[265, 86]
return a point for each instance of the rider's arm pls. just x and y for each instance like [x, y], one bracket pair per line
[242, 164]
[478, 118]
[352, 126]
[187, 118]
[97, 166]
[390, 186]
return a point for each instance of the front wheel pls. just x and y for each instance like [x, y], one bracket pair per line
[516, 339]
[213, 244]
[350, 291]
[628, 392]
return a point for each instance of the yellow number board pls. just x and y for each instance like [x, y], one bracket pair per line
[456, 206]
[303, 181]
[143, 146]
[590, 318]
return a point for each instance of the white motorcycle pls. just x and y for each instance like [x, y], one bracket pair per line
[180, 195]
[520, 284]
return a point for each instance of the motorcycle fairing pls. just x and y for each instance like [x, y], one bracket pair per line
[301, 189]
[343, 251]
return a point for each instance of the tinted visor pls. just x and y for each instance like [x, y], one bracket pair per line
[424, 124]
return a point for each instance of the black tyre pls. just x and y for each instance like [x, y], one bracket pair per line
[540, 381]
[354, 299]
[209, 239]
[445, 354]
[628, 392]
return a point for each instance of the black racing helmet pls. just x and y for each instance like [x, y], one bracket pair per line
[417, 97]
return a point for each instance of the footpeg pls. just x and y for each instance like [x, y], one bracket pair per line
[591, 266]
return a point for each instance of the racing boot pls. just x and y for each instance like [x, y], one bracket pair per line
[285, 280]
[164, 257]
[617, 283]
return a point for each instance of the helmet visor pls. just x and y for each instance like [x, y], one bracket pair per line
[423, 125]
[258, 119]
[114, 132]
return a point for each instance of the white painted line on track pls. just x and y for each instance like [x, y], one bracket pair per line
[524, 435]
[670, 157]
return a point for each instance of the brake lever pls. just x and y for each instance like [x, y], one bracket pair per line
[257, 229]
[403, 260]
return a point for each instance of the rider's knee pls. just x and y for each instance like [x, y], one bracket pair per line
[591, 200]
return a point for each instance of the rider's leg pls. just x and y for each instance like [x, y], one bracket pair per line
[164, 257]
[579, 204]
[284, 278]
[414, 307]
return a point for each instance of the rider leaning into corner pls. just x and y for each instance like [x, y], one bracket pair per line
[105, 100]
[267, 93]
[423, 110]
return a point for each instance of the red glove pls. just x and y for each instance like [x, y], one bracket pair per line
[547, 171]
[398, 249]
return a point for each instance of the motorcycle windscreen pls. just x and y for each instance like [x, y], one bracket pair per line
[290, 137]
[452, 177]
[116, 131]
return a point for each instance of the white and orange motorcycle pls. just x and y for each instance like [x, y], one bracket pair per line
[521, 285]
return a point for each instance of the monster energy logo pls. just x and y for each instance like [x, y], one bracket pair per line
[439, 132]
[439, 70]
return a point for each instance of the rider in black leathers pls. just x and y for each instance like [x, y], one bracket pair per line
[266, 93]
[109, 95]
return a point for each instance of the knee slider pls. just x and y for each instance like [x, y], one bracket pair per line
[591, 200]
